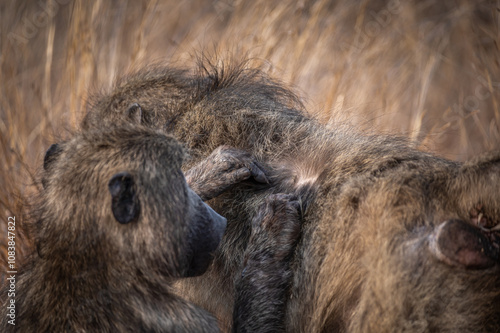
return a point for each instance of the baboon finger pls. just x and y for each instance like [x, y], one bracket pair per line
[257, 173]
[226, 180]
[279, 210]
[239, 175]
[231, 158]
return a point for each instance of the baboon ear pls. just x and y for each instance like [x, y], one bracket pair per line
[50, 155]
[134, 113]
[458, 243]
[124, 202]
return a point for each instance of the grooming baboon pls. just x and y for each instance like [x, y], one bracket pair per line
[118, 225]
[394, 239]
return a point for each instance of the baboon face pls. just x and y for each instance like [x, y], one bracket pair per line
[120, 194]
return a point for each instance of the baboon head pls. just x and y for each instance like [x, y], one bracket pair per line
[117, 199]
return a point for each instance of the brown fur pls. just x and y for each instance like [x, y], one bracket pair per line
[428, 70]
[92, 273]
[89, 271]
[371, 206]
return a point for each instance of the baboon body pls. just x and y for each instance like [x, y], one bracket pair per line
[118, 224]
[378, 213]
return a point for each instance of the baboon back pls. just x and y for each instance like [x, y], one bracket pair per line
[378, 213]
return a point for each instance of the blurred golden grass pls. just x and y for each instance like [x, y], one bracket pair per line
[428, 70]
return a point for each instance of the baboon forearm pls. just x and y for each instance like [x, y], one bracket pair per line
[262, 289]
[261, 298]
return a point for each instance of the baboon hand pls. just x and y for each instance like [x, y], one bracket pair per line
[276, 228]
[223, 169]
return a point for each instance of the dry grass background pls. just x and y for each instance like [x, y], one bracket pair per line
[428, 70]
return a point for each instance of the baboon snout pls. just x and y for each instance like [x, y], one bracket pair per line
[218, 222]
[206, 231]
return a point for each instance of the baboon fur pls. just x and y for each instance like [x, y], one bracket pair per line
[117, 225]
[367, 260]
[89, 271]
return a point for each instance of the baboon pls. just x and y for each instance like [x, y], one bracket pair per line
[393, 238]
[118, 224]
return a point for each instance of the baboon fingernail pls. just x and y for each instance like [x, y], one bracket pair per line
[258, 174]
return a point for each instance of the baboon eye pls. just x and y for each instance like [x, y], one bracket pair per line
[124, 202]
[50, 155]
[134, 113]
